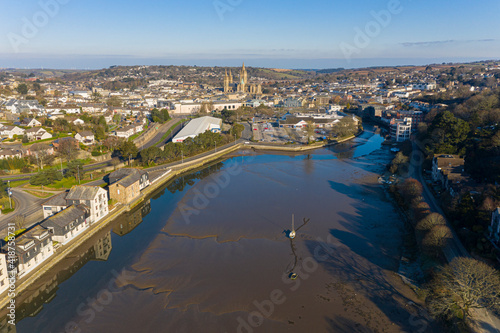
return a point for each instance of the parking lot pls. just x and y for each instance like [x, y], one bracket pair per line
[270, 132]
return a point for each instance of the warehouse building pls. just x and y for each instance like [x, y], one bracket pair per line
[197, 126]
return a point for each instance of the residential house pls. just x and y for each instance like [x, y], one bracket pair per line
[125, 132]
[86, 137]
[124, 172]
[449, 171]
[445, 164]
[10, 131]
[54, 205]
[108, 118]
[38, 147]
[94, 197]
[32, 248]
[74, 142]
[4, 273]
[138, 127]
[78, 122]
[30, 122]
[37, 133]
[10, 153]
[67, 224]
[126, 184]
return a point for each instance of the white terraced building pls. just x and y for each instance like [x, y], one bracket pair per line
[197, 126]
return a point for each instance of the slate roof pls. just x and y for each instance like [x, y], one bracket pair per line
[65, 217]
[86, 133]
[82, 192]
[58, 200]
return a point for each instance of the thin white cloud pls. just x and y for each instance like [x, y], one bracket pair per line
[449, 41]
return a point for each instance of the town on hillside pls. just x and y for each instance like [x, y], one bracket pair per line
[77, 145]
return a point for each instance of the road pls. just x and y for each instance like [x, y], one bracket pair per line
[27, 205]
[487, 321]
[163, 129]
[100, 165]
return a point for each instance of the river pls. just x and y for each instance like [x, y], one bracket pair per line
[210, 253]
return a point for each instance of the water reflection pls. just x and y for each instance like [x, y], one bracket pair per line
[290, 271]
[48, 285]
[132, 219]
[99, 250]
[179, 184]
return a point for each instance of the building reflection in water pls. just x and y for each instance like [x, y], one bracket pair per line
[99, 251]
[34, 303]
[132, 219]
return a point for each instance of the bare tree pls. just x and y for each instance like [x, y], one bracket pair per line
[463, 285]
[68, 149]
[430, 221]
[40, 154]
[436, 240]
[310, 130]
[19, 221]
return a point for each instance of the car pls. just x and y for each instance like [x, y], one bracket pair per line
[247, 142]
[254, 129]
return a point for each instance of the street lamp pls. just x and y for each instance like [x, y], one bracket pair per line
[235, 139]
[9, 193]
[182, 157]
[215, 142]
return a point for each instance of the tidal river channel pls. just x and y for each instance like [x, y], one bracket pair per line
[210, 253]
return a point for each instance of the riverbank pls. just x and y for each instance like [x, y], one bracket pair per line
[171, 172]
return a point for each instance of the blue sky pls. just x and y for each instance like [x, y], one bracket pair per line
[286, 34]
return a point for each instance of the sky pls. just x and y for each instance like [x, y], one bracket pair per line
[282, 34]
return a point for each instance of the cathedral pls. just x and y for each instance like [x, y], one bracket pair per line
[242, 86]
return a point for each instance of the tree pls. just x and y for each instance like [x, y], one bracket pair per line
[448, 134]
[430, 221]
[310, 130]
[96, 97]
[112, 143]
[399, 160]
[40, 154]
[22, 89]
[68, 149]
[237, 130]
[45, 177]
[345, 127]
[150, 155]
[160, 116]
[128, 150]
[19, 222]
[463, 285]
[410, 189]
[75, 169]
[436, 240]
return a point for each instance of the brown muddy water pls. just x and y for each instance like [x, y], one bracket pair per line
[210, 253]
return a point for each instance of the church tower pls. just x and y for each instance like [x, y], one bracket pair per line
[226, 82]
[230, 77]
[243, 78]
